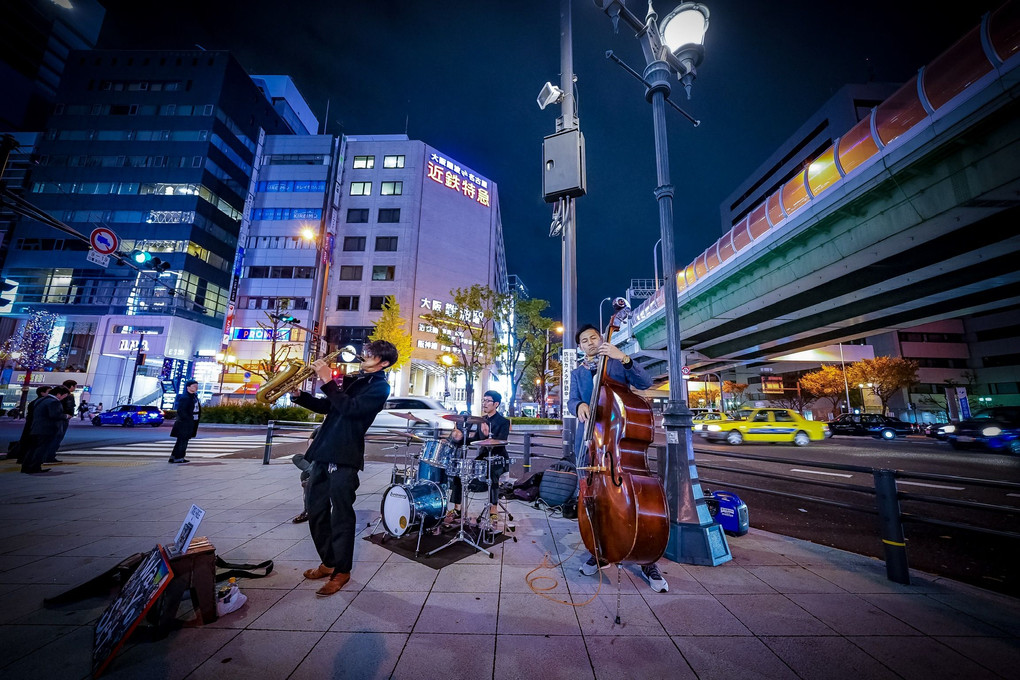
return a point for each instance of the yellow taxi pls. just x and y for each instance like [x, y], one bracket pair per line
[702, 420]
[768, 425]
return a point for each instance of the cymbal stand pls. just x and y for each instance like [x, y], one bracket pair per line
[462, 536]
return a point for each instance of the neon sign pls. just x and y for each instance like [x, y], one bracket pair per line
[446, 173]
[261, 334]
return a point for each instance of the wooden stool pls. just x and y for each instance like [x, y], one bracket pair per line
[194, 572]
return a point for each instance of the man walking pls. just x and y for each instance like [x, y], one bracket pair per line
[24, 444]
[337, 454]
[189, 411]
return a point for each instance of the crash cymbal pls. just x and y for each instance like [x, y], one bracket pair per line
[408, 416]
[470, 420]
[489, 442]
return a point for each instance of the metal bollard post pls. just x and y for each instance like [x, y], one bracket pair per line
[269, 442]
[891, 528]
[527, 451]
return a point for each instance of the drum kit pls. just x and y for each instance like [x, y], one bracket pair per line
[419, 491]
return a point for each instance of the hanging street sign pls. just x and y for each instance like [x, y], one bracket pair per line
[104, 241]
[98, 258]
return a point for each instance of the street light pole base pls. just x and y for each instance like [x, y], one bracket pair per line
[703, 545]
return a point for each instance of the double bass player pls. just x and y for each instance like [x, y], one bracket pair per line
[622, 369]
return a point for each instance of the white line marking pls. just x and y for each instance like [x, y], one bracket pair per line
[817, 472]
[1013, 495]
[933, 486]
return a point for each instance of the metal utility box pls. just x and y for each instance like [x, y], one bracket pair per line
[563, 172]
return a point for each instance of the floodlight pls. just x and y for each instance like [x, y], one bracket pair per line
[550, 94]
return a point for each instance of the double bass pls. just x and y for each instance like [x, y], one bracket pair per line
[621, 504]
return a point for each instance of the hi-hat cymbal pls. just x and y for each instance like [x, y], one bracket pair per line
[410, 436]
[489, 442]
[408, 416]
[470, 420]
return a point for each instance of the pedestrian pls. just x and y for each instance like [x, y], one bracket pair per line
[189, 411]
[99, 409]
[49, 422]
[337, 454]
[67, 403]
[24, 444]
[83, 409]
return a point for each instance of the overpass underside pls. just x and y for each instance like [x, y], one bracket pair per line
[931, 231]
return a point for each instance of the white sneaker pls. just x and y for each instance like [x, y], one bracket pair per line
[591, 567]
[654, 578]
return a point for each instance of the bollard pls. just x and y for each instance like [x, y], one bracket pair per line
[890, 527]
[269, 442]
[527, 451]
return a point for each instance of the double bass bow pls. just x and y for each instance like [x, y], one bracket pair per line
[621, 504]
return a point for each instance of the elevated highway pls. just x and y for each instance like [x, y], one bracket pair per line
[910, 217]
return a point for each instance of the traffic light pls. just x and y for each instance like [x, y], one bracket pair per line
[147, 260]
[8, 291]
[141, 256]
[284, 318]
[159, 265]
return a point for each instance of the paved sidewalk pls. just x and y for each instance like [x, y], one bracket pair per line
[783, 608]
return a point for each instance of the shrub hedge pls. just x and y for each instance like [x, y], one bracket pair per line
[253, 414]
[536, 421]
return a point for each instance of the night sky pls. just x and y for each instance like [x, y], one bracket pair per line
[463, 77]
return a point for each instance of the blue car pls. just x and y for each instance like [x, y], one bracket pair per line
[991, 429]
[129, 416]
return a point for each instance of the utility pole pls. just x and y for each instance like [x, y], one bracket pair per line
[563, 181]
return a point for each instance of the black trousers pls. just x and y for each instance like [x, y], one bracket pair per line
[180, 448]
[42, 448]
[331, 518]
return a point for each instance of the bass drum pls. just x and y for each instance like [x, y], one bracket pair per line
[405, 507]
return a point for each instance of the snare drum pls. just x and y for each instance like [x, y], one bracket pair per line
[474, 469]
[407, 506]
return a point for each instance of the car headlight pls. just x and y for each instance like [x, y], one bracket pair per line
[991, 431]
[948, 428]
[714, 428]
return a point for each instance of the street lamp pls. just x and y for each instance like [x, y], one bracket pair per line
[655, 262]
[323, 260]
[447, 361]
[674, 48]
[224, 360]
[602, 327]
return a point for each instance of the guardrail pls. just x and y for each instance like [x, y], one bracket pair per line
[291, 429]
[885, 491]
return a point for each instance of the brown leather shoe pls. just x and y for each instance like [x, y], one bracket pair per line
[321, 571]
[334, 584]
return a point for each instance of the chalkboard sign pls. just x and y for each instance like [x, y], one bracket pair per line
[126, 612]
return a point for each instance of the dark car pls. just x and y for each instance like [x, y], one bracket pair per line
[129, 416]
[991, 429]
[937, 430]
[869, 425]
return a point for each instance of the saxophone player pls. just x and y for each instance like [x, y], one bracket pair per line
[337, 454]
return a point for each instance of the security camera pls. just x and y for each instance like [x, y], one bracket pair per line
[550, 94]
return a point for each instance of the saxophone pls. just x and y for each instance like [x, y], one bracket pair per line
[293, 375]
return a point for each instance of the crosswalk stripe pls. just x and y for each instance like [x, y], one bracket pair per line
[209, 447]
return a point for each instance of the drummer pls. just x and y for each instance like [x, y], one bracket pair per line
[493, 426]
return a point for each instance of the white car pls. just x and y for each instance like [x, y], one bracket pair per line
[423, 408]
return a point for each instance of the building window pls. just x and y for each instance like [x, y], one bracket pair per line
[376, 302]
[354, 243]
[386, 244]
[383, 272]
[258, 272]
[391, 189]
[361, 188]
[393, 161]
[357, 216]
[347, 303]
[389, 215]
[364, 162]
[350, 272]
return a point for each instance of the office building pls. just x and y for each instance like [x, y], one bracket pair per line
[159, 147]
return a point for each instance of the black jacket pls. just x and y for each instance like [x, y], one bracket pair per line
[186, 424]
[350, 410]
[499, 428]
[48, 419]
[67, 403]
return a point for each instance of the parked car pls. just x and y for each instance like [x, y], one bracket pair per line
[129, 416]
[869, 425]
[423, 408]
[702, 420]
[769, 425]
[938, 430]
[992, 429]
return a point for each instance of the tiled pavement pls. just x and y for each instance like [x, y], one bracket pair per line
[783, 608]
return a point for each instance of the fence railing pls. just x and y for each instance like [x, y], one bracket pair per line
[885, 491]
[292, 431]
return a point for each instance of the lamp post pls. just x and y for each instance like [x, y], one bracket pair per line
[655, 262]
[602, 326]
[224, 359]
[674, 47]
[323, 259]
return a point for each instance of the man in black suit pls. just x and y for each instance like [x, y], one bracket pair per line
[337, 454]
[48, 422]
[25, 441]
[185, 427]
[495, 426]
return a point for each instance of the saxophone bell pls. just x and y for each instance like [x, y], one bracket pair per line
[349, 355]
